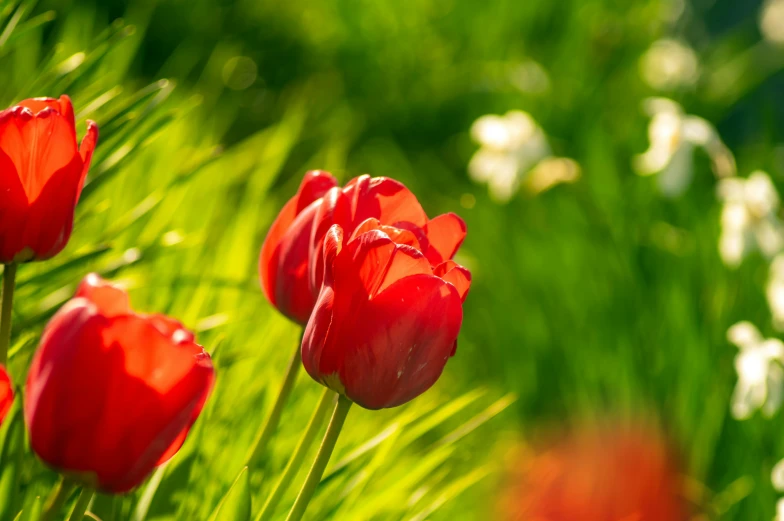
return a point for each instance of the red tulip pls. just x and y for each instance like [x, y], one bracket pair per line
[42, 171]
[386, 320]
[111, 393]
[291, 262]
[6, 393]
[597, 474]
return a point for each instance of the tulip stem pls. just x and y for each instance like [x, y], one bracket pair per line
[56, 499]
[9, 278]
[299, 454]
[268, 429]
[81, 504]
[322, 458]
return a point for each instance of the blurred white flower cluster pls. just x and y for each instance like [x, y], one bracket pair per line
[669, 64]
[674, 136]
[749, 218]
[514, 151]
[760, 373]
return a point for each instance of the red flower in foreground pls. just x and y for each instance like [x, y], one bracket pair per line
[111, 393]
[598, 474]
[42, 171]
[386, 320]
[6, 393]
[291, 263]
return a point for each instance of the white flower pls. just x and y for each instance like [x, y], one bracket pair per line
[780, 510]
[673, 137]
[777, 476]
[772, 21]
[669, 64]
[749, 218]
[775, 291]
[760, 374]
[510, 146]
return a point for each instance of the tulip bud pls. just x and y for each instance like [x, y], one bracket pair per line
[112, 393]
[42, 172]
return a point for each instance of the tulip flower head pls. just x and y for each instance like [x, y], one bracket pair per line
[42, 172]
[6, 393]
[112, 393]
[598, 473]
[291, 264]
[387, 317]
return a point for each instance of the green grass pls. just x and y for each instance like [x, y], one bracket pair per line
[596, 298]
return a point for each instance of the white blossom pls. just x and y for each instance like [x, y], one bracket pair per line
[749, 218]
[673, 137]
[760, 373]
[772, 21]
[775, 291]
[514, 148]
[669, 64]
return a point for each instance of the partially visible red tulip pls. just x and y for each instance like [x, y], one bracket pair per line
[112, 393]
[386, 320]
[6, 393]
[599, 473]
[42, 172]
[291, 264]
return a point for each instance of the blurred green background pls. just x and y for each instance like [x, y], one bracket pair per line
[595, 298]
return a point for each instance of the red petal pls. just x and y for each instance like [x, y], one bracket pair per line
[405, 262]
[293, 296]
[396, 346]
[6, 393]
[456, 275]
[111, 300]
[318, 327]
[362, 265]
[387, 200]
[39, 146]
[270, 250]
[334, 209]
[398, 235]
[446, 233]
[314, 185]
[171, 328]
[61, 106]
[86, 152]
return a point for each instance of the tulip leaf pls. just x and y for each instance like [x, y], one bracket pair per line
[236, 504]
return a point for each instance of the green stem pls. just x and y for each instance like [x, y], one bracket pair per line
[81, 504]
[299, 454]
[268, 429]
[56, 499]
[322, 458]
[9, 278]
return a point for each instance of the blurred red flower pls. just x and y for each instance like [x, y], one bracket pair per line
[291, 263]
[6, 393]
[111, 393]
[386, 320]
[607, 473]
[42, 171]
